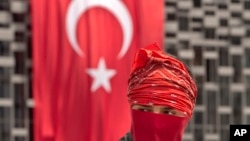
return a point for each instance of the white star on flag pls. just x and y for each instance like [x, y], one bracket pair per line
[101, 76]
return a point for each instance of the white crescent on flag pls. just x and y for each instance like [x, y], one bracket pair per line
[116, 7]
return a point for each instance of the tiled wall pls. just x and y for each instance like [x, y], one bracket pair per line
[213, 38]
[15, 101]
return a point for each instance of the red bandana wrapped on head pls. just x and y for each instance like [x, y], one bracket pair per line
[159, 79]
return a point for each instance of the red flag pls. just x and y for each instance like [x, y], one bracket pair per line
[82, 54]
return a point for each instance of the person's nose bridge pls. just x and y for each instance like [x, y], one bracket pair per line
[156, 110]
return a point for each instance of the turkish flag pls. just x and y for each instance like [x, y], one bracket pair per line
[82, 54]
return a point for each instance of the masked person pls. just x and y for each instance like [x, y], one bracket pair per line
[162, 96]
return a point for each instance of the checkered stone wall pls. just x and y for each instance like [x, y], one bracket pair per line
[15, 99]
[213, 38]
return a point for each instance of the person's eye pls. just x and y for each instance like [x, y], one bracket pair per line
[170, 112]
[144, 109]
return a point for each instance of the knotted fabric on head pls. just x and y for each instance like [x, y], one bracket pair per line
[160, 79]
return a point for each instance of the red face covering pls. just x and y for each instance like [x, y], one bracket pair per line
[148, 126]
[160, 79]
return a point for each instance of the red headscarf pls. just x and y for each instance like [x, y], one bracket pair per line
[160, 79]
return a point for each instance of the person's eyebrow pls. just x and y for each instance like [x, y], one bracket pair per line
[145, 106]
[168, 108]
